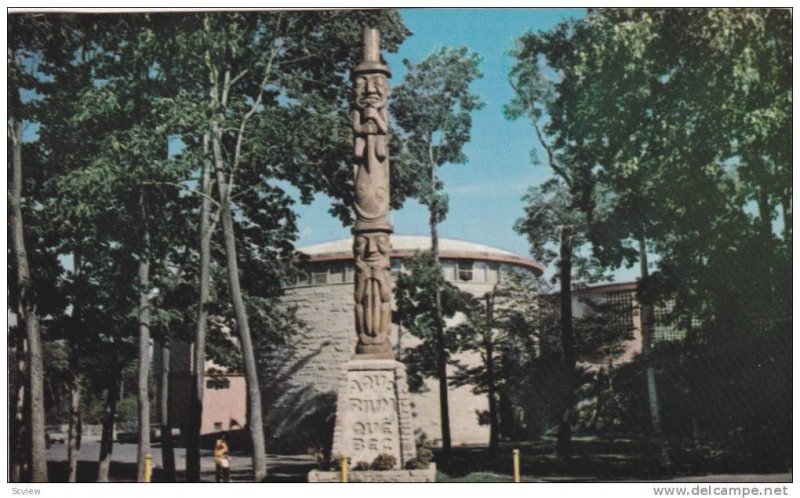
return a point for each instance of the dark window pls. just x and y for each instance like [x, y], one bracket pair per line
[218, 383]
[465, 271]
[622, 306]
[667, 326]
[320, 277]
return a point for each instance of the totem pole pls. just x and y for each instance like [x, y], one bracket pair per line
[371, 246]
[373, 412]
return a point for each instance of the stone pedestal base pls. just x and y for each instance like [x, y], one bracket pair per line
[425, 475]
[373, 415]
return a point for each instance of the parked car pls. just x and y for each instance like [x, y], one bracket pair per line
[54, 435]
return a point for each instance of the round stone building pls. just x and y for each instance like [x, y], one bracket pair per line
[300, 380]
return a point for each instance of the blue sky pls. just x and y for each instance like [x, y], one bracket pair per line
[486, 192]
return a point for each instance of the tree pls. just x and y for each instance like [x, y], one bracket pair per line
[206, 230]
[553, 217]
[127, 164]
[433, 107]
[679, 112]
[21, 31]
[112, 91]
[267, 86]
[413, 293]
[562, 209]
[601, 334]
[491, 329]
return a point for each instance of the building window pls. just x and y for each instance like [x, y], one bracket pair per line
[335, 273]
[666, 327]
[480, 272]
[493, 273]
[218, 383]
[622, 310]
[349, 272]
[217, 426]
[464, 271]
[319, 277]
[449, 270]
[397, 268]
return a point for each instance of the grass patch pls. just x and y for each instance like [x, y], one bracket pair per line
[474, 477]
[481, 477]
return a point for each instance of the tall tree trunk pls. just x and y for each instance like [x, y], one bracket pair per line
[143, 397]
[198, 365]
[254, 417]
[610, 404]
[764, 214]
[564, 437]
[167, 451]
[786, 207]
[656, 446]
[20, 450]
[74, 432]
[494, 426]
[109, 418]
[26, 310]
[441, 354]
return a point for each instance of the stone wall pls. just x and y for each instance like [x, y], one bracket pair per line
[300, 382]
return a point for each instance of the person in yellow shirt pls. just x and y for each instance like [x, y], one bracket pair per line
[221, 460]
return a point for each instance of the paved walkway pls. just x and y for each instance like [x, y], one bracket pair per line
[281, 468]
[295, 468]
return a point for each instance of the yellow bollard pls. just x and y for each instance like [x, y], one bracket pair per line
[516, 465]
[148, 466]
[344, 467]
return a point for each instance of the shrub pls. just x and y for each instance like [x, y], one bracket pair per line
[361, 466]
[416, 464]
[424, 455]
[319, 457]
[336, 462]
[383, 462]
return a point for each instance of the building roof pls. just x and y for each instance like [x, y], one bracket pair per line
[405, 245]
[607, 287]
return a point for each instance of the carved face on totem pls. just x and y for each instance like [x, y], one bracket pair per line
[371, 247]
[372, 90]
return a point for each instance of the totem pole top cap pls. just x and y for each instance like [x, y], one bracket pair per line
[372, 55]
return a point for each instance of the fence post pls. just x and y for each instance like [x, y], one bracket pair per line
[148, 467]
[344, 467]
[516, 465]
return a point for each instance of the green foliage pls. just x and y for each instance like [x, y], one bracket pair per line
[433, 107]
[415, 298]
[361, 466]
[551, 208]
[530, 380]
[424, 455]
[681, 115]
[121, 103]
[415, 464]
[335, 462]
[600, 332]
[127, 412]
